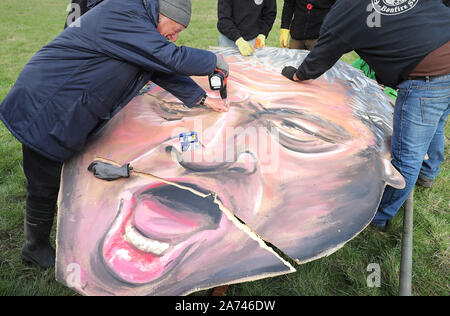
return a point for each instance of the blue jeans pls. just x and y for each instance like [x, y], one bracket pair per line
[420, 113]
[226, 42]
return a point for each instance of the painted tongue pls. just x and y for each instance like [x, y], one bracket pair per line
[168, 213]
[162, 214]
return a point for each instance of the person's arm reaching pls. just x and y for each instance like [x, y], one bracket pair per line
[131, 37]
[182, 87]
[322, 57]
[189, 92]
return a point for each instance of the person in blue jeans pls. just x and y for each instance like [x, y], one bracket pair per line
[419, 119]
[418, 66]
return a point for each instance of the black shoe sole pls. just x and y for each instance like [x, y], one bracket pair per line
[32, 262]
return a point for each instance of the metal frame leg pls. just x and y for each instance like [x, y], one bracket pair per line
[407, 244]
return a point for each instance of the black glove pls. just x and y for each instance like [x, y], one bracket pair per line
[109, 172]
[289, 72]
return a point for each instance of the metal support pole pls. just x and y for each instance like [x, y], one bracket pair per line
[407, 244]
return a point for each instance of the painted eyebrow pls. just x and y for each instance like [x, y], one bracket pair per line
[326, 130]
[175, 110]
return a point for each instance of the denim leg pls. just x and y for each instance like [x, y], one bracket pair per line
[419, 108]
[436, 155]
[226, 42]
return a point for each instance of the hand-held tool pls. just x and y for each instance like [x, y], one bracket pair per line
[218, 79]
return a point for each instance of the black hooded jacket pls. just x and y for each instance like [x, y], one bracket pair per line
[246, 18]
[303, 22]
[392, 49]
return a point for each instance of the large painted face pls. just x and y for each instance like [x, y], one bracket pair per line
[301, 165]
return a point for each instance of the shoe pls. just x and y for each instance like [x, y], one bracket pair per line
[37, 249]
[42, 257]
[425, 182]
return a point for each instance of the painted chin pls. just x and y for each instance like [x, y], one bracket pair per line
[154, 229]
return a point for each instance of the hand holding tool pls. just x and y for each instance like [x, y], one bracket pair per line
[218, 79]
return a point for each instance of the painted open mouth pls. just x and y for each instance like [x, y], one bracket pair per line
[154, 229]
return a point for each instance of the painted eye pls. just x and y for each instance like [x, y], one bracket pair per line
[305, 136]
[174, 111]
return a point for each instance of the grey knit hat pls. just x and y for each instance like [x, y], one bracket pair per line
[177, 10]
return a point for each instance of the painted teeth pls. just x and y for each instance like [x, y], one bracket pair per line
[144, 244]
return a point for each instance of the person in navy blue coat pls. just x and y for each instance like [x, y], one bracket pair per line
[85, 76]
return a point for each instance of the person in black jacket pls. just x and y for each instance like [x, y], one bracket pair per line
[302, 19]
[407, 44]
[245, 23]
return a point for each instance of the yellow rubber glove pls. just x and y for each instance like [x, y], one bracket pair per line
[260, 41]
[284, 38]
[245, 47]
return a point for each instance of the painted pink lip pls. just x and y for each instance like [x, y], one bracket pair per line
[154, 228]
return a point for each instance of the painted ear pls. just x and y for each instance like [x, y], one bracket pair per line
[392, 176]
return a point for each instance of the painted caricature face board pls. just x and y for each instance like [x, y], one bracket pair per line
[300, 165]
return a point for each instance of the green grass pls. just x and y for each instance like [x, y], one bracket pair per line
[27, 25]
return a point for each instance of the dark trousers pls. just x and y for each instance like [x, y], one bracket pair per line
[302, 44]
[43, 179]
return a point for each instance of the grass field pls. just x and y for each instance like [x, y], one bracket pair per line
[26, 25]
